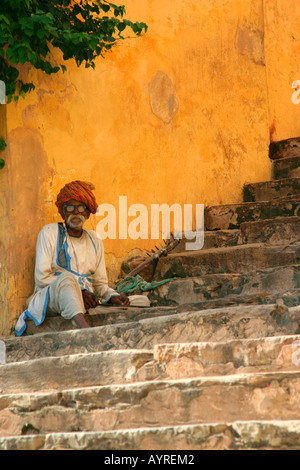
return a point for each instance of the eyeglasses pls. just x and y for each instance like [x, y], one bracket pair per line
[70, 208]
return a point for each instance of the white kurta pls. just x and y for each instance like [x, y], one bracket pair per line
[57, 252]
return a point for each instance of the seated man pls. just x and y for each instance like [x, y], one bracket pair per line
[70, 272]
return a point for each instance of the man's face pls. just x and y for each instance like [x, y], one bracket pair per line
[74, 215]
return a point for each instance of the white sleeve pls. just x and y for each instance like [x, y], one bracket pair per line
[44, 274]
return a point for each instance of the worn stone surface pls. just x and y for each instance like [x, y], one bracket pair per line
[272, 231]
[286, 168]
[271, 189]
[220, 286]
[74, 370]
[254, 396]
[287, 148]
[228, 357]
[262, 435]
[237, 259]
[231, 216]
[217, 324]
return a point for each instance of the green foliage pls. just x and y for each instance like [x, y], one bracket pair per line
[3, 144]
[81, 29]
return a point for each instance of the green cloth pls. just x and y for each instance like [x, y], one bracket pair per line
[129, 285]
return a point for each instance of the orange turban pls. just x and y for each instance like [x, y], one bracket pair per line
[79, 191]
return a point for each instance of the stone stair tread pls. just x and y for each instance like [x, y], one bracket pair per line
[230, 216]
[81, 369]
[255, 434]
[247, 396]
[216, 323]
[282, 181]
[221, 249]
[291, 297]
[284, 148]
[261, 354]
[263, 282]
[83, 395]
[236, 351]
[278, 230]
[270, 190]
[239, 258]
[286, 168]
[211, 240]
[271, 231]
[144, 333]
[103, 316]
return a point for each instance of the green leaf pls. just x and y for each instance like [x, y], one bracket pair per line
[4, 18]
[41, 33]
[121, 27]
[104, 7]
[82, 30]
[3, 144]
[2, 163]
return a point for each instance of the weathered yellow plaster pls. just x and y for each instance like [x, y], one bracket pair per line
[182, 115]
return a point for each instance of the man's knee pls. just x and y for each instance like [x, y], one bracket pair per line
[67, 281]
[66, 295]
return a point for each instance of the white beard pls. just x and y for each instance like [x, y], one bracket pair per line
[74, 225]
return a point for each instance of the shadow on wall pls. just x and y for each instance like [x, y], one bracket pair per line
[27, 168]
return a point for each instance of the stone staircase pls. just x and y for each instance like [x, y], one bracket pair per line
[213, 364]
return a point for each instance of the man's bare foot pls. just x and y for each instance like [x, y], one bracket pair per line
[80, 321]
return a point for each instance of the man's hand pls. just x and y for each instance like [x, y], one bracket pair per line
[89, 299]
[121, 300]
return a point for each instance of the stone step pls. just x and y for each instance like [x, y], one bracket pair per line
[230, 216]
[216, 324]
[281, 230]
[219, 286]
[75, 370]
[286, 148]
[241, 258]
[217, 239]
[238, 435]
[184, 360]
[286, 168]
[195, 289]
[265, 354]
[290, 298]
[248, 396]
[115, 316]
[218, 290]
[267, 190]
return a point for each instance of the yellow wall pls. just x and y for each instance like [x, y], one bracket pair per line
[182, 115]
[282, 46]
